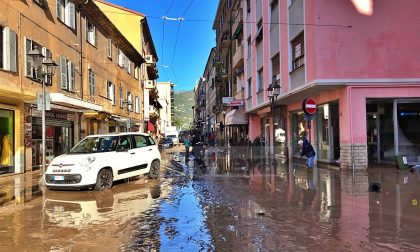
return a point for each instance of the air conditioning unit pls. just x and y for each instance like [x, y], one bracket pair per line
[149, 59]
[149, 84]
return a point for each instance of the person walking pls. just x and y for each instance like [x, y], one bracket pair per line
[212, 138]
[308, 151]
[187, 144]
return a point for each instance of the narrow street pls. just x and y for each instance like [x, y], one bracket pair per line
[230, 203]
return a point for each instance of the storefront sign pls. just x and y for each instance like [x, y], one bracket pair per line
[309, 106]
[52, 115]
[226, 100]
[236, 103]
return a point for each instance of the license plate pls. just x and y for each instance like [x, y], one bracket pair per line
[58, 178]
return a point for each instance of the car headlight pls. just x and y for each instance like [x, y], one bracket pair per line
[87, 161]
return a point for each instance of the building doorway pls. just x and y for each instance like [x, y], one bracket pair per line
[327, 132]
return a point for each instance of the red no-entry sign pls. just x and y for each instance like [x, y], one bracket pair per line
[309, 106]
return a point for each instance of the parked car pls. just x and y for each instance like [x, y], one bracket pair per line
[174, 138]
[99, 160]
[166, 143]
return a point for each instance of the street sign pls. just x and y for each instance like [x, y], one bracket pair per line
[309, 106]
[226, 100]
[47, 101]
[236, 103]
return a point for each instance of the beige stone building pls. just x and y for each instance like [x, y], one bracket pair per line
[96, 87]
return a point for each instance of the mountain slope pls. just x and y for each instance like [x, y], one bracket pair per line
[184, 100]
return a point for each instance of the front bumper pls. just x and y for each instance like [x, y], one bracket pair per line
[63, 179]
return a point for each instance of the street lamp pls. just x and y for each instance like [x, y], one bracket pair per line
[273, 91]
[48, 66]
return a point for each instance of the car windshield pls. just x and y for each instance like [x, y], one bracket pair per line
[95, 144]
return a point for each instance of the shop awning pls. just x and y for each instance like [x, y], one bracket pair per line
[150, 127]
[236, 117]
[68, 101]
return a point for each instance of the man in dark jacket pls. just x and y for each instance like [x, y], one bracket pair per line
[308, 151]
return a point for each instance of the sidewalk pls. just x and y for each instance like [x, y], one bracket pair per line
[19, 188]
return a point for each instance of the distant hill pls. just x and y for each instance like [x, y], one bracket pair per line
[184, 100]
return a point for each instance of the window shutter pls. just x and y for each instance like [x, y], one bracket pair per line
[108, 95]
[9, 50]
[72, 15]
[114, 94]
[72, 80]
[28, 67]
[63, 73]
[60, 8]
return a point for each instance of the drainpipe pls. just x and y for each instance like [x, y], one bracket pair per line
[351, 131]
[81, 69]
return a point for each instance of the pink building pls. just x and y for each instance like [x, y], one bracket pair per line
[362, 69]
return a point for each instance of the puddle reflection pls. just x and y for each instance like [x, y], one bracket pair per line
[320, 205]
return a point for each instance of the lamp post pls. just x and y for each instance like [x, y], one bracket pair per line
[47, 66]
[273, 91]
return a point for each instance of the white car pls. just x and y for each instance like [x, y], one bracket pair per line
[99, 160]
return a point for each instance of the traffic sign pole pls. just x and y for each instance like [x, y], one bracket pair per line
[309, 107]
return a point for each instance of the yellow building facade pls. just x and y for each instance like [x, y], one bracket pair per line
[96, 87]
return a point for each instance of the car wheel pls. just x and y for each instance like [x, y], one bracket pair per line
[104, 180]
[154, 170]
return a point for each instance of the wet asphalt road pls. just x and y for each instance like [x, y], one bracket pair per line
[229, 203]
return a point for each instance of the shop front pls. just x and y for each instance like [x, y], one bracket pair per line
[325, 137]
[7, 136]
[59, 135]
[392, 129]
[236, 123]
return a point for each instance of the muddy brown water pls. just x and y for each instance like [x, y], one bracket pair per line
[229, 204]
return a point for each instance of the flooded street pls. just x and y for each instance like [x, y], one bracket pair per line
[229, 203]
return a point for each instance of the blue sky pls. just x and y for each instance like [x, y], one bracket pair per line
[194, 41]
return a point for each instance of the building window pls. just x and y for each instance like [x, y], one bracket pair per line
[91, 83]
[67, 74]
[259, 34]
[110, 92]
[249, 88]
[260, 80]
[121, 97]
[136, 72]
[248, 6]
[124, 62]
[298, 51]
[30, 71]
[129, 101]
[8, 52]
[137, 107]
[275, 66]
[109, 49]
[91, 33]
[249, 48]
[274, 14]
[66, 13]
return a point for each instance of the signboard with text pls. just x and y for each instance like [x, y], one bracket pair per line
[236, 103]
[226, 100]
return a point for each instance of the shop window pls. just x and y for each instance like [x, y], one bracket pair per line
[91, 36]
[6, 142]
[298, 51]
[408, 126]
[8, 50]
[66, 13]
